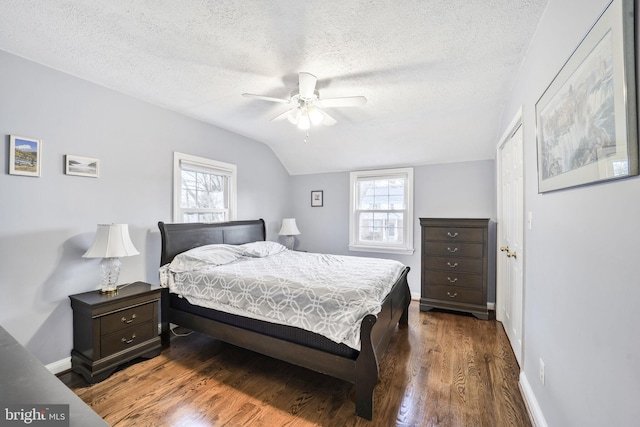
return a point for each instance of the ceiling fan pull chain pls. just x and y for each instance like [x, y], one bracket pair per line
[306, 137]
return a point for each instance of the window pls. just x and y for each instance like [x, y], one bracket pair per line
[204, 190]
[381, 218]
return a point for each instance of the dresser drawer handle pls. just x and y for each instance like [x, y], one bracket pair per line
[454, 250]
[454, 280]
[454, 265]
[124, 319]
[455, 294]
[452, 235]
[126, 341]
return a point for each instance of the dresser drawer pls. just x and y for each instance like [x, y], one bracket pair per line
[454, 294]
[454, 234]
[454, 249]
[434, 277]
[127, 338]
[467, 265]
[125, 318]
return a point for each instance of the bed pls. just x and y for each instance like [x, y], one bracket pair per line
[357, 365]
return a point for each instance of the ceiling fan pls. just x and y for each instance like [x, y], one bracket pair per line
[306, 104]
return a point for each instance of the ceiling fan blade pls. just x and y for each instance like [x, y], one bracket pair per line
[283, 115]
[347, 101]
[267, 98]
[306, 85]
[327, 120]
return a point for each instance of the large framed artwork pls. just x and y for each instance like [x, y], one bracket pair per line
[586, 120]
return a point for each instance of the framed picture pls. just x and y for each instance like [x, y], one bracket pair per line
[25, 156]
[82, 166]
[586, 121]
[316, 198]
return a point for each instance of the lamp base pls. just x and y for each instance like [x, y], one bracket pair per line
[110, 272]
[289, 241]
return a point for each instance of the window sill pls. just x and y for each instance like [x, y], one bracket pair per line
[382, 249]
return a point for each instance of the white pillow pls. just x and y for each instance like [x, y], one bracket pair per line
[204, 257]
[262, 249]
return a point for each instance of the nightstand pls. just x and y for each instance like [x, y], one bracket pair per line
[109, 330]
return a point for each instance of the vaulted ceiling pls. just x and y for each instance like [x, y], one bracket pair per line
[436, 73]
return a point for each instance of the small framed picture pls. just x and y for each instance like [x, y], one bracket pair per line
[316, 198]
[25, 156]
[82, 166]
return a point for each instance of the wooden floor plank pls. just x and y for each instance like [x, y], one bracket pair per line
[442, 369]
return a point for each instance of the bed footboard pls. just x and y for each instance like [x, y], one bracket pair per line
[375, 334]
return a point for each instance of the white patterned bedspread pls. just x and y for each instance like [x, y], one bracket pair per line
[325, 294]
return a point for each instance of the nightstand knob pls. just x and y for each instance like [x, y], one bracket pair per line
[452, 295]
[126, 341]
[452, 235]
[124, 319]
[454, 280]
[452, 250]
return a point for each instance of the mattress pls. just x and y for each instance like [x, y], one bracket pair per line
[321, 293]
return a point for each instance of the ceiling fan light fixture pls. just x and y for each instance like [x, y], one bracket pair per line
[303, 122]
[315, 116]
[303, 103]
[294, 116]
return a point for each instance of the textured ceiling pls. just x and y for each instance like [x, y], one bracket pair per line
[436, 73]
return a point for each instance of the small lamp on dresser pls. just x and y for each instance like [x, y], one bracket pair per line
[111, 243]
[289, 229]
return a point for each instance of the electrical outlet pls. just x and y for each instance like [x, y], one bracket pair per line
[541, 373]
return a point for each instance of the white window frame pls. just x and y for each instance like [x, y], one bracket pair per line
[203, 164]
[354, 244]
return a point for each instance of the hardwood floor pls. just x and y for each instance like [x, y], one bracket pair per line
[443, 370]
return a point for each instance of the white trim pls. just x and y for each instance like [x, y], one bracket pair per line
[381, 249]
[203, 164]
[404, 249]
[535, 412]
[513, 126]
[60, 366]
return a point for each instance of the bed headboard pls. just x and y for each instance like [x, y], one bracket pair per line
[177, 238]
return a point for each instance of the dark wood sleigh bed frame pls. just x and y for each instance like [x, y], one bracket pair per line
[289, 344]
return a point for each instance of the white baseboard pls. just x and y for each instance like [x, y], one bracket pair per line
[59, 366]
[532, 403]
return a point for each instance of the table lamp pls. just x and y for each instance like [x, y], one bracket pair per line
[289, 229]
[111, 243]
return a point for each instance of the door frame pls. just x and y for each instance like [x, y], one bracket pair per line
[511, 129]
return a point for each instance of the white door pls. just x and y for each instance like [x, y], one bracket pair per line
[510, 292]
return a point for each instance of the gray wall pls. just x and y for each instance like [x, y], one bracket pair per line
[581, 261]
[452, 190]
[47, 223]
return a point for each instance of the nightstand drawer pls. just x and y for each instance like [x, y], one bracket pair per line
[126, 318]
[127, 338]
[454, 234]
[454, 294]
[467, 265]
[453, 279]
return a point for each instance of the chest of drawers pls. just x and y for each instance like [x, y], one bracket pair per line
[109, 330]
[455, 264]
